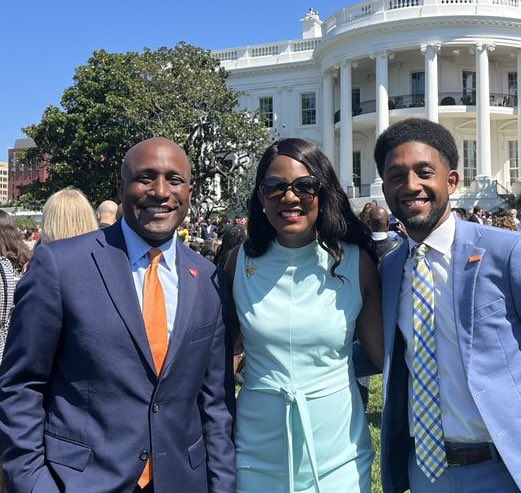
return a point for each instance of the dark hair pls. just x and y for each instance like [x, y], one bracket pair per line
[11, 244]
[232, 236]
[416, 130]
[336, 220]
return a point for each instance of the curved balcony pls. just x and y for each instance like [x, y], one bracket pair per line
[375, 11]
[444, 99]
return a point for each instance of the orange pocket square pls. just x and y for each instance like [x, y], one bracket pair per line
[475, 258]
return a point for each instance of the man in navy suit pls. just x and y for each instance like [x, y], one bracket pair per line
[82, 406]
[474, 368]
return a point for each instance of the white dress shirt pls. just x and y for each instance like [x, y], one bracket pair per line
[137, 249]
[461, 420]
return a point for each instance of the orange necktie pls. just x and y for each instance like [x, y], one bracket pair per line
[154, 315]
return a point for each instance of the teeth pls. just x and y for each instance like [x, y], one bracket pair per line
[415, 202]
[290, 213]
[157, 210]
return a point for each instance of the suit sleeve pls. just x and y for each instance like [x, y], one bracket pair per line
[217, 402]
[25, 374]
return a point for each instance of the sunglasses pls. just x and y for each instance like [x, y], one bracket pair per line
[305, 187]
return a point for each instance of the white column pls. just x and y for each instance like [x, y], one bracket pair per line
[518, 95]
[484, 166]
[382, 109]
[328, 117]
[382, 96]
[346, 129]
[431, 80]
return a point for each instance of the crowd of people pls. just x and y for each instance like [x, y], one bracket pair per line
[128, 323]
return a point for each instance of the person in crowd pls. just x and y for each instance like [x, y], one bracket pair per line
[208, 230]
[106, 213]
[513, 213]
[232, 236]
[14, 256]
[477, 215]
[67, 213]
[184, 232]
[504, 221]
[99, 391]
[379, 224]
[303, 281]
[452, 323]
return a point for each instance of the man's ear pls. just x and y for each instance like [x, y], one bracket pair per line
[452, 181]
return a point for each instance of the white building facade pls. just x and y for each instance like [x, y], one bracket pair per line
[455, 62]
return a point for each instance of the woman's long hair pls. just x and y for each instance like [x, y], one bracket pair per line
[336, 220]
[12, 245]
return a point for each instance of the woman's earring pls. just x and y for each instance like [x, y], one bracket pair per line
[264, 210]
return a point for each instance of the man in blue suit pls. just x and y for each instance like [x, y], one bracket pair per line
[452, 383]
[83, 405]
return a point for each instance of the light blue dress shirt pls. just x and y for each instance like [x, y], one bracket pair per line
[137, 249]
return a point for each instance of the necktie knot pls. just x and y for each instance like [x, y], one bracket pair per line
[419, 251]
[155, 254]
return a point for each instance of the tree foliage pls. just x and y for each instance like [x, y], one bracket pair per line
[119, 99]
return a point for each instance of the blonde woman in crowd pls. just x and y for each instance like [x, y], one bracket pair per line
[67, 213]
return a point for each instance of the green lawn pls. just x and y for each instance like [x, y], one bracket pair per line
[374, 417]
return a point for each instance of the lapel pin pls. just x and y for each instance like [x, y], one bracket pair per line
[250, 269]
[475, 258]
[193, 272]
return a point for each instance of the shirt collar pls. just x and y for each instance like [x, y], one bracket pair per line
[441, 238]
[137, 247]
[379, 235]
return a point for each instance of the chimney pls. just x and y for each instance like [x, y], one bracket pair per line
[311, 25]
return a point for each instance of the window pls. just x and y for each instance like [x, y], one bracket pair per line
[512, 86]
[357, 170]
[418, 88]
[266, 110]
[513, 161]
[355, 101]
[309, 108]
[469, 87]
[469, 162]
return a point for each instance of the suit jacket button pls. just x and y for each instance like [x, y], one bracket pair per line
[155, 407]
[143, 455]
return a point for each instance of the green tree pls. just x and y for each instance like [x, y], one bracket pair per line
[119, 99]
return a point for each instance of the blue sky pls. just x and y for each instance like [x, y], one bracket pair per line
[42, 42]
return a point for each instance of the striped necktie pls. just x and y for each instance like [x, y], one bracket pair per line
[428, 431]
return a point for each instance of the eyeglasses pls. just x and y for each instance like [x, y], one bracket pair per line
[304, 187]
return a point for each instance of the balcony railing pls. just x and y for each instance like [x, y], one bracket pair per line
[418, 101]
[344, 18]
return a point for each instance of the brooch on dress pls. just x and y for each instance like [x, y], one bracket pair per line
[250, 269]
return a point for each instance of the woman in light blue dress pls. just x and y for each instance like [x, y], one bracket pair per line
[303, 283]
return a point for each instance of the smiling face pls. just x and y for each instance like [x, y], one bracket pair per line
[293, 219]
[155, 189]
[417, 183]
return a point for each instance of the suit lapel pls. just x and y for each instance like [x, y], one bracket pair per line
[187, 273]
[465, 267]
[112, 262]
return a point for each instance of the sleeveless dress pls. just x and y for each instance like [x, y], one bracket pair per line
[300, 419]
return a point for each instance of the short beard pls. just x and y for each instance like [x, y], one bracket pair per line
[425, 224]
